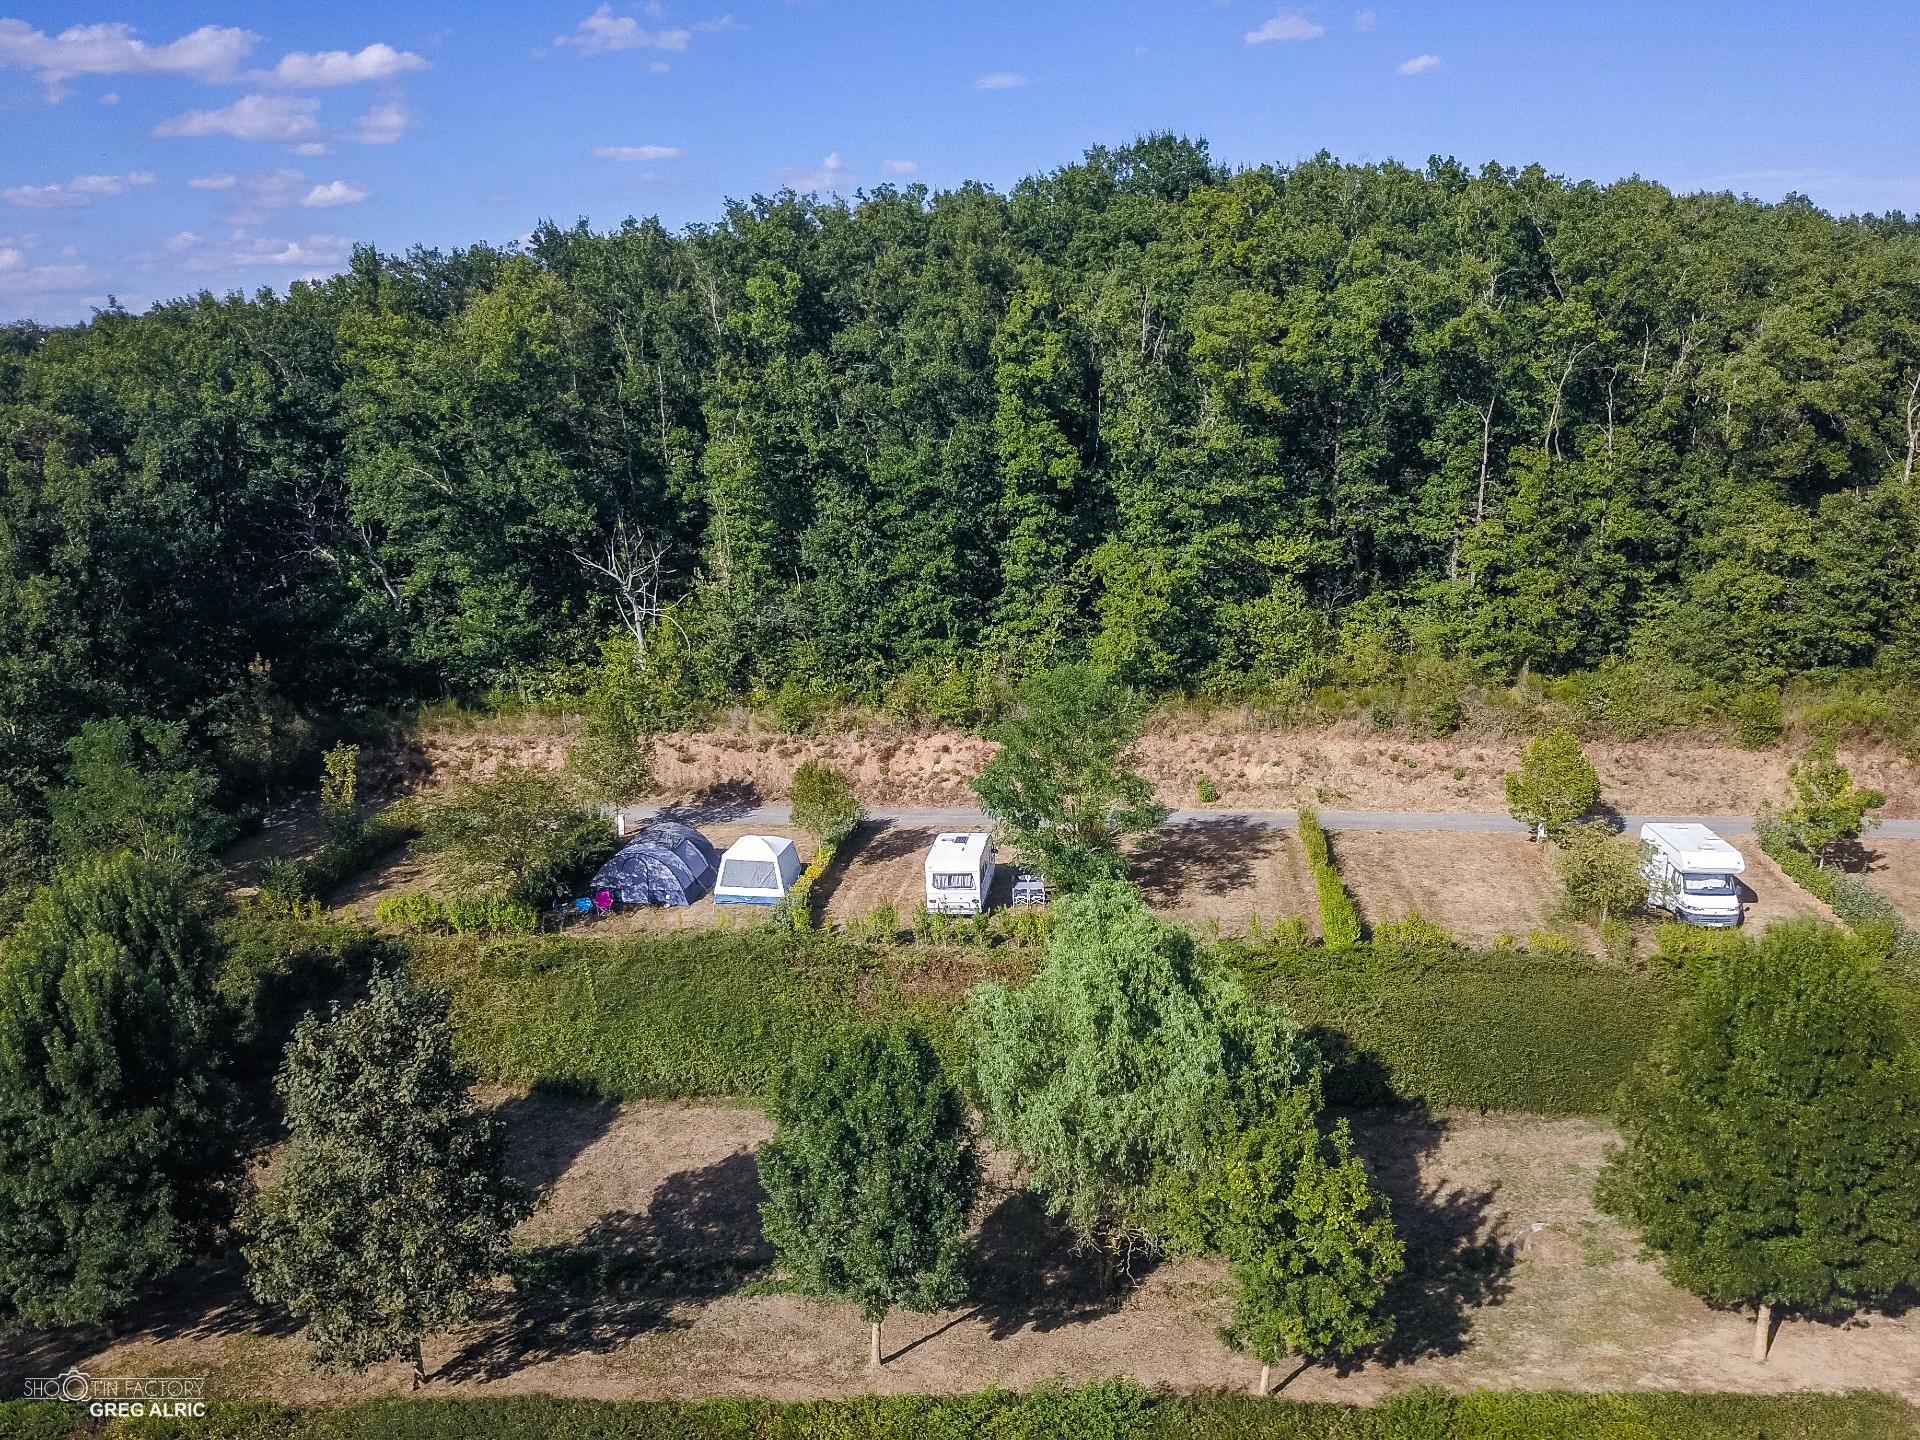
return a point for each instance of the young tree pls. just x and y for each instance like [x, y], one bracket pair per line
[870, 1175]
[340, 794]
[1104, 1070]
[1600, 871]
[1555, 785]
[1826, 806]
[1059, 787]
[613, 760]
[130, 787]
[394, 1207]
[118, 1157]
[824, 804]
[1772, 1138]
[519, 833]
[1310, 1244]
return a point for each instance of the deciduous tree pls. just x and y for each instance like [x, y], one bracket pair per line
[870, 1175]
[1059, 786]
[118, 1151]
[1555, 785]
[519, 833]
[394, 1206]
[1826, 807]
[1771, 1151]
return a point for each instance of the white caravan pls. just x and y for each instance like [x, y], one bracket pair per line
[1692, 873]
[959, 874]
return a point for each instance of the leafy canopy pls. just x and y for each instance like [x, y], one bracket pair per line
[394, 1207]
[1600, 872]
[118, 1156]
[1059, 787]
[870, 1175]
[1107, 1068]
[1826, 807]
[824, 804]
[613, 760]
[1772, 1139]
[518, 833]
[130, 787]
[1555, 785]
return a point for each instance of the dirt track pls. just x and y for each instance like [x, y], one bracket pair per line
[1514, 1281]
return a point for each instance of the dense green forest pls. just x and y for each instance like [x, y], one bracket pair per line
[1219, 432]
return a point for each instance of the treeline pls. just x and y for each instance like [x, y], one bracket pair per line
[1218, 432]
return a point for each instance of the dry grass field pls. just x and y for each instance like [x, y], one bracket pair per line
[650, 1242]
[1893, 868]
[1224, 874]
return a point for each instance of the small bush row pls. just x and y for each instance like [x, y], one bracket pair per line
[1103, 1410]
[350, 848]
[1856, 902]
[1339, 920]
[464, 915]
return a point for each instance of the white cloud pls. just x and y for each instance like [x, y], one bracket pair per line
[603, 31]
[1418, 65]
[631, 154]
[315, 255]
[112, 97]
[211, 54]
[833, 174]
[336, 192]
[251, 117]
[311, 147]
[219, 180]
[1000, 80]
[1287, 25]
[265, 192]
[900, 167]
[382, 125]
[325, 69]
[1364, 19]
[79, 191]
[185, 240]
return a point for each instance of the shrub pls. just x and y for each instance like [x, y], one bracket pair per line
[518, 833]
[1414, 933]
[1206, 790]
[414, 910]
[1826, 806]
[283, 882]
[824, 804]
[1756, 717]
[1552, 942]
[490, 915]
[880, 924]
[1600, 872]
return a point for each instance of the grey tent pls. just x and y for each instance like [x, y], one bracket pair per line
[665, 864]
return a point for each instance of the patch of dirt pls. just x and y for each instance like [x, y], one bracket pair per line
[642, 1261]
[1224, 874]
[882, 864]
[1769, 894]
[1478, 886]
[1893, 868]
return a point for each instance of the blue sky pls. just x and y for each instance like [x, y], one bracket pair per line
[149, 151]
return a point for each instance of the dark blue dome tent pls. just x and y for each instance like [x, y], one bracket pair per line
[665, 864]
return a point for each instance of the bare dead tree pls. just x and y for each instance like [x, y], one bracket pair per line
[1913, 425]
[636, 564]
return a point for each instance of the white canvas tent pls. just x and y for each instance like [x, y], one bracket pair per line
[756, 870]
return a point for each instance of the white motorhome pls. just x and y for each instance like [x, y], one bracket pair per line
[1692, 873]
[959, 874]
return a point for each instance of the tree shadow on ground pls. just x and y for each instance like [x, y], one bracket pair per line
[699, 1239]
[719, 804]
[550, 1127]
[205, 1301]
[1854, 856]
[1457, 1262]
[876, 842]
[1027, 1271]
[1205, 857]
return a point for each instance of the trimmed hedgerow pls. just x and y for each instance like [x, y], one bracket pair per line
[1339, 920]
[1856, 902]
[1104, 1410]
[1479, 1030]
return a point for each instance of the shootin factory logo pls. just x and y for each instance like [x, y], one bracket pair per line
[119, 1397]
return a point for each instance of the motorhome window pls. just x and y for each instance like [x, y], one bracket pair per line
[1711, 885]
[952, 882]
[749, 875]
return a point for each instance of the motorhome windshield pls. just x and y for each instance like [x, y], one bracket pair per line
[1711, 884]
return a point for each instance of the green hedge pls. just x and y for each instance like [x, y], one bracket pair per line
[1339, 921]
[1110, 1410]
[1479, 1030]
[698, 1013]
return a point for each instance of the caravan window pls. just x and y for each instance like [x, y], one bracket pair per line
[952, 882]
[749, 875]
[1710, 884]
